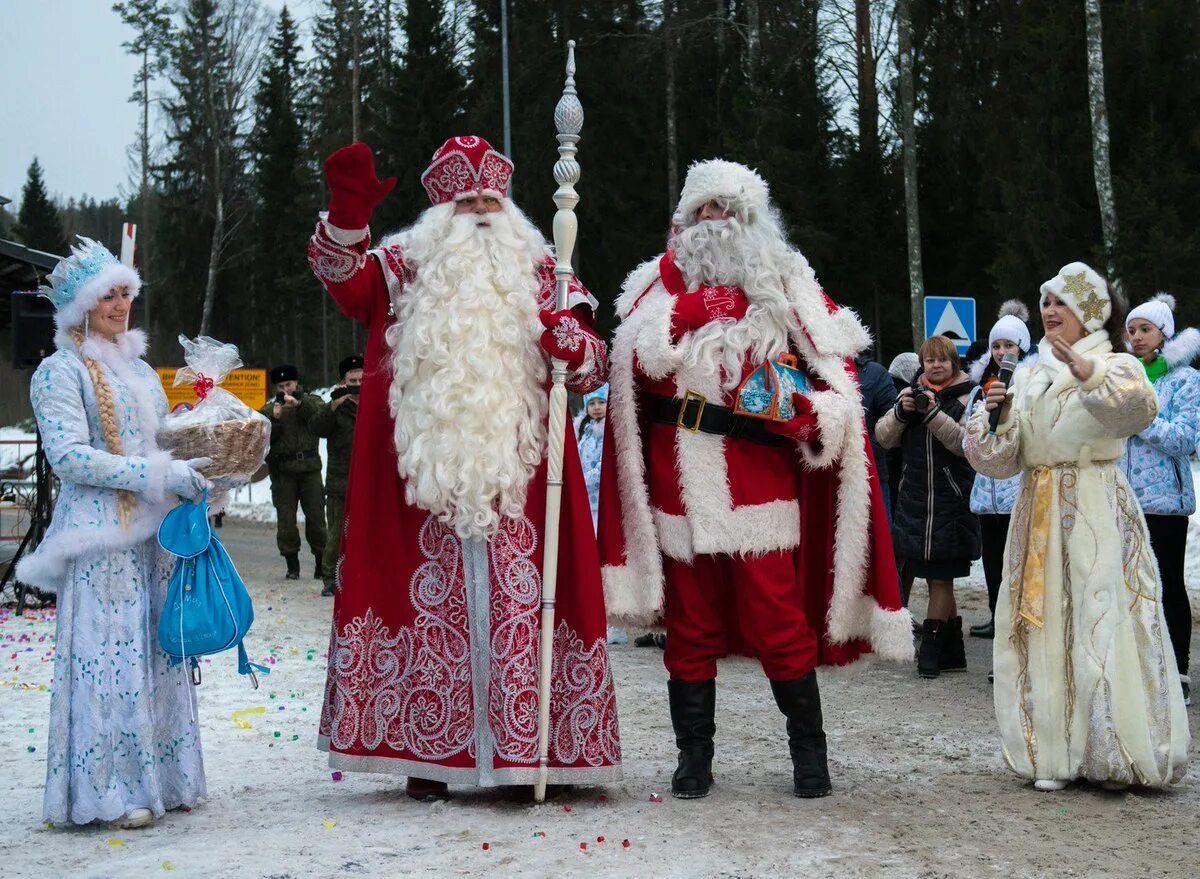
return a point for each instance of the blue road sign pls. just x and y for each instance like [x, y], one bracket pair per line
[951, 316]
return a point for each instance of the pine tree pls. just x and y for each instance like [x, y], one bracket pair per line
[282, 312]
[38, 223]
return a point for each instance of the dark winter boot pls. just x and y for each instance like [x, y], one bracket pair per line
[800, 702]
[327, 589]
[293, 566]
[693, 715]
[954, 651]
[318, 571]
[929, 652]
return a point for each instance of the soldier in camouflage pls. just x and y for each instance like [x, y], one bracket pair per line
[335, 422]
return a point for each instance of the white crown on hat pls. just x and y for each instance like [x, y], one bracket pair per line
[83, 278]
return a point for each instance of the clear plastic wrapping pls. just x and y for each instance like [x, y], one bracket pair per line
[219, 426]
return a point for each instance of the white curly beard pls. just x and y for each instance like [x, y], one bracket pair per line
[468, 375]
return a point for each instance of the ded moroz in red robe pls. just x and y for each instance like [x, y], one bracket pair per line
[669, 492]
[433, 658]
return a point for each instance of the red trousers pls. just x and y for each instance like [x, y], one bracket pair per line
[722, 604]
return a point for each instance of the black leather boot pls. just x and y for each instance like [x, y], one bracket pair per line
[693, 715]
[800, 702]
[954, 651]
[929, 653]
[318, 570]
[293, 566]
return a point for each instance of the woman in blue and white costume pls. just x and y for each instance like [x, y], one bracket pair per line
[1156, 460]
[992, 499]
[590, 430]
[124, 741]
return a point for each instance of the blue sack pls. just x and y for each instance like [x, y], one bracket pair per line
[208, 609]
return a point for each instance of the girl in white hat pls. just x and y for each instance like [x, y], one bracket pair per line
[992, 499]
[1156, 460]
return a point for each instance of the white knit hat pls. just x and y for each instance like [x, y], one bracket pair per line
[1159, 311]
[1083, 291]
[741, 188]
[1012, 325]
[904, 366]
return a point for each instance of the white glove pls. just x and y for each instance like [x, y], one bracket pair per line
[184, 479]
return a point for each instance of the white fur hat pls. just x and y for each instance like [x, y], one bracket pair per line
[1012, 325]
[1159, 311]
[904, 366]
[745, 193]
[1083, 291]
[79, 281]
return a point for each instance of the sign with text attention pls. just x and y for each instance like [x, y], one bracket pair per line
[248, 385]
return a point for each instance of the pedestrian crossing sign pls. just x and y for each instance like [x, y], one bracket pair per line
[953, 317]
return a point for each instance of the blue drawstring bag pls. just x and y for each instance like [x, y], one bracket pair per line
[208, 609]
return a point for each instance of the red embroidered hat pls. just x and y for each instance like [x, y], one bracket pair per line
[464, 166]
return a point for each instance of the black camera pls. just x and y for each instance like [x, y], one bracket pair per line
[920, 401]
[338, 393]
[279, 397]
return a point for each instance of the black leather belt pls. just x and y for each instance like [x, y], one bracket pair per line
[294, 456]
[696, 414]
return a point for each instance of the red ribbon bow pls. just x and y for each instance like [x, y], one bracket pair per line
[203, 385]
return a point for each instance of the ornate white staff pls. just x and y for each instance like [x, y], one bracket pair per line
[568, 119]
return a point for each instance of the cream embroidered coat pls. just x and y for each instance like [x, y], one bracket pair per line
[1086, 685]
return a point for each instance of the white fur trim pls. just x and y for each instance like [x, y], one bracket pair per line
[837, 417]
[1183, 348]
[750, 530]
[746, 193]
[674, 536]
[636, 283]
[344, 237]
[46, 568]
[71, 314]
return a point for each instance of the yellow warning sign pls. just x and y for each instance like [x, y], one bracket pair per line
[248, 385]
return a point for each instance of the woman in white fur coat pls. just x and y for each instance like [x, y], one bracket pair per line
[1086, 686]
[124, 744]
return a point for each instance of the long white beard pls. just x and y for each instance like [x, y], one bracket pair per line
[467, 391]
[754, 257]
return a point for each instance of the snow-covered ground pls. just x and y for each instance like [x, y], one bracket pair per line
[919, 786]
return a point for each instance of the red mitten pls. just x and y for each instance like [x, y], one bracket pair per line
[565, 337]
[803, 426]
[354, 190]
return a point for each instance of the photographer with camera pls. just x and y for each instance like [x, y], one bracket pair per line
[294, 463]
[335, 422]
[936, 535]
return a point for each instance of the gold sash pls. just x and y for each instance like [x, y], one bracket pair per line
[1033, 576]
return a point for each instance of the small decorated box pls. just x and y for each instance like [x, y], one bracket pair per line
[767, 392]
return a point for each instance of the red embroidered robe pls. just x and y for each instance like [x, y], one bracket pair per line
[666, 491]
[433, 658]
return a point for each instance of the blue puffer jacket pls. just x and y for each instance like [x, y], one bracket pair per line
[1156, 460]
[993, 496]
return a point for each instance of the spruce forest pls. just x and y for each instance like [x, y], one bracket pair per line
[961, 147]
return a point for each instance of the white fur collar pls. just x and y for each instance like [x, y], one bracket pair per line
[1182, 348]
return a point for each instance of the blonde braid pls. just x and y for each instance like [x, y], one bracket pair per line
[126, 500]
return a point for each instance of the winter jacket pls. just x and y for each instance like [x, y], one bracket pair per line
[294, 447]
[337, 427]
[931, 518]
[878, 393]
[1156, 460]
[591, 452]
[993, 496]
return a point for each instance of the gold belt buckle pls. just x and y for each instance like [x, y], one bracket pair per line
[687, 398]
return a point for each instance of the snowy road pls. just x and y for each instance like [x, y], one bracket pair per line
[919, 788]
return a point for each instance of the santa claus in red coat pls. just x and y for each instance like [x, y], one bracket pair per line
[742, 533]
[433, 659]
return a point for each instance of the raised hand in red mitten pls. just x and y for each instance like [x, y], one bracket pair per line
[803, 427]
[565, 337]
[354, 189]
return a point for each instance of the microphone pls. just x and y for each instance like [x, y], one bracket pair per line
[1007, 366]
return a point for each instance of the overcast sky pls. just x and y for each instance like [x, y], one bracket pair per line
[65, 83]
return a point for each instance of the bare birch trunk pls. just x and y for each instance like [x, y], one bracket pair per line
[753, 43]
[672, 134]
[868, 99]
[1100, 140]
[144, 197]
[908, 136]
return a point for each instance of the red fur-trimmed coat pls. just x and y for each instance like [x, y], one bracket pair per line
[720, 496]
[433, 660]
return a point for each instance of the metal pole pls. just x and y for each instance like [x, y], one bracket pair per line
[504, 84]
[568, 119]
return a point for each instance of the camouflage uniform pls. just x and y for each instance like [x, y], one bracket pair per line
[336, 426]
[294, 463]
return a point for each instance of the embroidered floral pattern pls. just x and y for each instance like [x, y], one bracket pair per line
[568, 334]
[333, 263]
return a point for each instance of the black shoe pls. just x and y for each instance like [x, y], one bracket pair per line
[327, 589]
[651, 639]
[929, 653]
[318, 570]
[954, 651]
[984, 630]
[293, 567]
[800, 702]
[693, 716]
